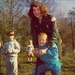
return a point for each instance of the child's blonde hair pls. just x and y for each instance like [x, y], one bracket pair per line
[30, 42]
[42, 34]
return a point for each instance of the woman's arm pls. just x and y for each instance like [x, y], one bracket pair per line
[38, 52]
[56, 36]
[55, 33]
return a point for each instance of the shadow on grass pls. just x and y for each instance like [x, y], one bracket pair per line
[29, 62]
[67, 68]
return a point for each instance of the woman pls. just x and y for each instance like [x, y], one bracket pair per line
[41, 21]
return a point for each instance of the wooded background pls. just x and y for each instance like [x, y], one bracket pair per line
[14, 15]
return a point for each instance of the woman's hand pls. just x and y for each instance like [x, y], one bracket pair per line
[39, 52]
[35, 51]
[42, 52]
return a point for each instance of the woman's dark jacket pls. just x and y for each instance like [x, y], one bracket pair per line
[47, 26]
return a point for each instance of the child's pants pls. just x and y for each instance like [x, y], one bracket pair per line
[42, 68]
[11, 66]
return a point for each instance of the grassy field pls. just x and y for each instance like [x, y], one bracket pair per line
[25, 68]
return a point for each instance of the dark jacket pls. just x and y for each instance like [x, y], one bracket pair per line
[47, 26]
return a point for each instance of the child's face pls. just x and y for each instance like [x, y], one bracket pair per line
[42, 40]
[10, 37]
[30, 42]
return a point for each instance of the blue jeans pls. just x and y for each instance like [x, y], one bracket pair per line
[42, 68]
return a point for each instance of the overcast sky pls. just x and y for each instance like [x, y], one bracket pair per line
[66, 5]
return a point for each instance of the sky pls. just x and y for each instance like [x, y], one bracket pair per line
[66, 5]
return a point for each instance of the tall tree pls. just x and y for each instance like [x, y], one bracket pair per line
[12, 10]
[72, 23]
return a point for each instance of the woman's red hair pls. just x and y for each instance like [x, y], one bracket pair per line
[37, 4]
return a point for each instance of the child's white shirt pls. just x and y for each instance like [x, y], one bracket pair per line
[29, 48]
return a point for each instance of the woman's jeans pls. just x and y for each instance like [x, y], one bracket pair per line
[42, 68]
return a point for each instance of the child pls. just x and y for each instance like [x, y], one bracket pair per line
[10, 50]
[50, 56]
[29, 49]
[0, 45]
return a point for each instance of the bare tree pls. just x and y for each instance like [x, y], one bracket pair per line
[12, 9]
[72, 23]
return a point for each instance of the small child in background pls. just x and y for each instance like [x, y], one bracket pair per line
[29, 49]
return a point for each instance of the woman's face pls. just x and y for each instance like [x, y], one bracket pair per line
[37, 12]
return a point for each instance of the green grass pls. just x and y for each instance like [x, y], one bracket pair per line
[24, 68]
